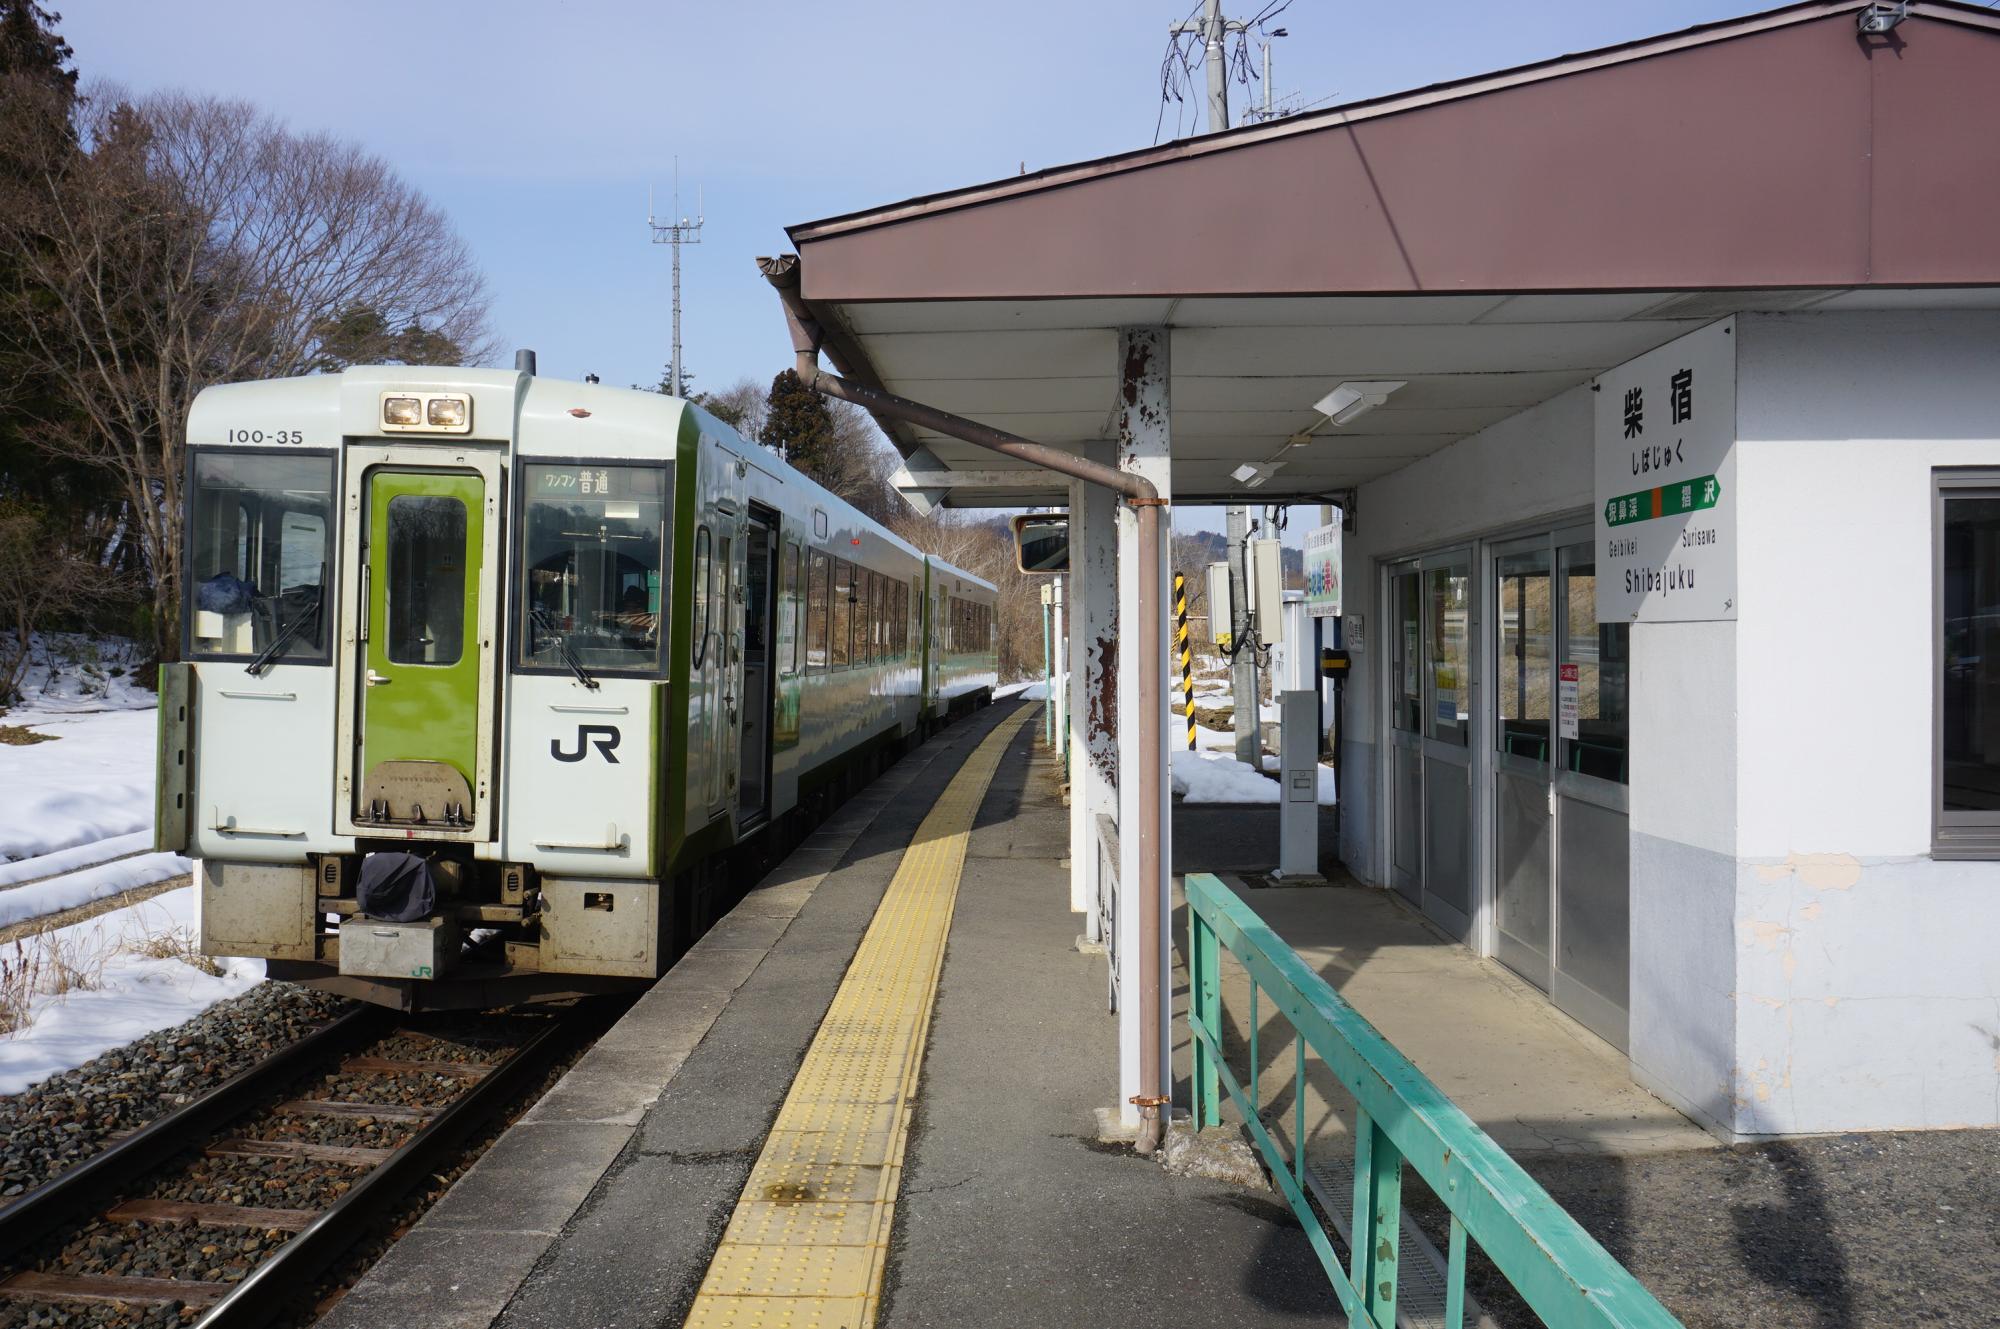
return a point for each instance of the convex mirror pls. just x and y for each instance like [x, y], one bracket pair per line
[1041, 542]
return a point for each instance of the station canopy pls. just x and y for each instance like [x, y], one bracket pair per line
[1489, 243]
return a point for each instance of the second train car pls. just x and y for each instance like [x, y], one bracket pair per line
[567, 648]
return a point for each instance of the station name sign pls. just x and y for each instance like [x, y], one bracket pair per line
[1323, 571]
[1666, 482]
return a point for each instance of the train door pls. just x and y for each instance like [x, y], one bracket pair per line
[423, 615]
[723, 683]
[760, 556]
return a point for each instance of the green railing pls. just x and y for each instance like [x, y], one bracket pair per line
[1550, 1261]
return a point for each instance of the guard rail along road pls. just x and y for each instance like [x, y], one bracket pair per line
[1569, 1280]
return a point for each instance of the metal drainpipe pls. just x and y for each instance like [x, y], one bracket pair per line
[1141, 495]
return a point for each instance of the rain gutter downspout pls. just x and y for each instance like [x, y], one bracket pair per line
[1151, 510]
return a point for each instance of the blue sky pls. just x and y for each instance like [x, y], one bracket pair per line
[540, 126]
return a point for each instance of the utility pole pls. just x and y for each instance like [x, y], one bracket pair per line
[1215, 30]
[677, 232]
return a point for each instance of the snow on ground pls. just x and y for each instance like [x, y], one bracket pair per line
[134, 994]
[1034, 691]
[68, 860]
[93, 782]
[69, 672]
[1215, 777]
[86, 885]
[1221, 744]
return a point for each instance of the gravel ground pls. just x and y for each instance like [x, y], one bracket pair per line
[68, 1117]
[226, 1255]
[1819, 1233]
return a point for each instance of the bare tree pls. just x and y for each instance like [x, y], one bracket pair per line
[190, 241]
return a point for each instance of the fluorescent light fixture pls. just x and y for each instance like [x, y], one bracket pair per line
[1251, 474]
[1349, 400]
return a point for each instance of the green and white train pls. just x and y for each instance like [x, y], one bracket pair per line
[582, 649]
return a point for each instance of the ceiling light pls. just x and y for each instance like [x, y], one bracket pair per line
[1351, 399]
[1251, 474]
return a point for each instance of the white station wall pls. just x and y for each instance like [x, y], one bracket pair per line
[1867, 973]
[1799, 961]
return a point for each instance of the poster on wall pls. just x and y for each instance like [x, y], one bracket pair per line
[1323, 571]
[1666, 482]
[1569, 683]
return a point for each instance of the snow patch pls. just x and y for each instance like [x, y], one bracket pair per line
[134, 994]
[88, 884]
[81, 856]
[1035, 691]
[1212, 777]
[93, 783]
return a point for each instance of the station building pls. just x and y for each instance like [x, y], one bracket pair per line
[1672, 569]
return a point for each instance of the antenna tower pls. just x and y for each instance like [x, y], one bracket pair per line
[676, 231]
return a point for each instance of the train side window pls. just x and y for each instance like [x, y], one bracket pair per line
[791, 610]
[874, 616]
[703, 570]
[864, 648]
[818, 605]
[842, 575]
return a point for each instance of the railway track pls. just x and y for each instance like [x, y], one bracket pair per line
[354, 1117]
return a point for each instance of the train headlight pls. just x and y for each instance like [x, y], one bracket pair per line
[402, 411]
[447, 412]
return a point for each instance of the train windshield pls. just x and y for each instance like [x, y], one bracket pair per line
[260, 548]
[594, 544]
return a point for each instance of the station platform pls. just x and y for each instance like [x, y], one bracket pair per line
[825, 1115]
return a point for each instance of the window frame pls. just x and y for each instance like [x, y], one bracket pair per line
[389, 638]
[517, 571]
[1954, 835]
[701, 565]
[329, 603]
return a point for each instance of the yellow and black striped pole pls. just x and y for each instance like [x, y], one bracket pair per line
[1187, 653]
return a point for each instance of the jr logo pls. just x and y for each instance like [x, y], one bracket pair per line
[605, 737]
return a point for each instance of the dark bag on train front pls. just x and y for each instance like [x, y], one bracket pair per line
[396, 888]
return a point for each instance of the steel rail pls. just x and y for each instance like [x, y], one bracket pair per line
[264, 1292]
[91, 1183]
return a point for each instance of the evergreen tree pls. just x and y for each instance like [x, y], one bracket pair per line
[797, 422]
[37, 100]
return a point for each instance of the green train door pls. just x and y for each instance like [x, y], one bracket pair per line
[419, 735]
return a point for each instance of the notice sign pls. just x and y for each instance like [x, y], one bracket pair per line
[1568, 678]
[1666, 482]
[1323, 571]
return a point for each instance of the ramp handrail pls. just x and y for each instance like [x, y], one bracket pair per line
[1550, 1261]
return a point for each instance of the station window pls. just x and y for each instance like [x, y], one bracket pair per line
[1966, 750]
[260, 544]
[1407, 707]
[1448, 652]
[818, 607]
[593, 559]
[1522, 682]
[1602, 654]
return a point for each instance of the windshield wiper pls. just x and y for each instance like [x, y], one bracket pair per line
[284, 637]
[544, 620]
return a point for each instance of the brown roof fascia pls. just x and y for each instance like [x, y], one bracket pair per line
[1055, 177]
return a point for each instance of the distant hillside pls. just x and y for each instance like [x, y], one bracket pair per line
[1195, 548]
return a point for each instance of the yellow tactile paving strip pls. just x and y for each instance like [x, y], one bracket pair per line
[807, 1242]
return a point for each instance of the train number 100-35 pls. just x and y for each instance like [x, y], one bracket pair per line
[267, 436]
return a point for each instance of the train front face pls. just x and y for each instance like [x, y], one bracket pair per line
[415, 744]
